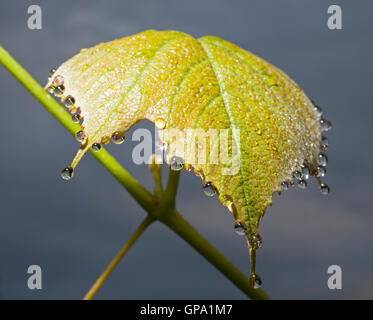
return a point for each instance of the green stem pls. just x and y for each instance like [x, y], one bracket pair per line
[180, 226]
[99, 282]
[169, 196]
[141, 195]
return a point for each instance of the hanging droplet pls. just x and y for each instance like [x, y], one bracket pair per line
[302, 184]
[323, 160]
[325, 125]
[58, 81]
[209, 189]
[160, 123]
[297, 175]
[117, 137]
[76, 118]
[321, 171]
[324, 189]
[52, 72]
[69, 102]
[305, 172]
[96, 147]
[239, 228]
[50, 90]
[176, 163]
[318, 109]
[67, 173]
[80, 136]
[58, 91]
[285, 186]
[255, 280]
[257, 241]
[324, 144]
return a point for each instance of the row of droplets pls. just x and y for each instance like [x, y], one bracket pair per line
[176, 164]
[300, 177]
[57, 88]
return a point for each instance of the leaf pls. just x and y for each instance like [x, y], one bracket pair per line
[180, 82]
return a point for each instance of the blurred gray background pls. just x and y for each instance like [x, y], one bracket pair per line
[73, 229]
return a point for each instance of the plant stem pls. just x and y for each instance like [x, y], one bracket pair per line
[171, 218]
[99, 282]
[180, 226]
[169, 196]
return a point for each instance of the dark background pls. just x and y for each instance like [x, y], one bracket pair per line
[73, 229]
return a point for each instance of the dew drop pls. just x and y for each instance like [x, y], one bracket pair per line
[69, 101]
[209, 189]
[305, 172]
[325, 125]
[50, 90]
[80, 136]
[76, 118]
[117, 137]
[297, 175]
[58, 91]
[176, 163]
[96, 147]
[257, 241]
[52, 72]
[58, 81]
[285, 186]
[323, 160]
[239, 228]
[324, 189]
[324, 144]
[317, 108]
[321, 171]
[160, 123]
[67, 173]
[302, 184]
[256, 281]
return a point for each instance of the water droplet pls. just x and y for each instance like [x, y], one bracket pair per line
[297, 175]
[285, 186]
[256, 281]
[80, 136]
[96, 147]
[117, 137]
[324, 144]
[302, 184]
[325, 125]
[52, 72]
[321, 171]
[305, 172]
[58, 91]
[58, 81]
[160, 123]
[318, 109]
[176, 163]
[50, 90]
[209, 189]
[324, 189]
[323, 160]
[69, 101]
[76, 118]
[257, 241]
[239, 228]
[67, 173]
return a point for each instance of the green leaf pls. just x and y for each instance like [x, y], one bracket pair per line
[183, 83]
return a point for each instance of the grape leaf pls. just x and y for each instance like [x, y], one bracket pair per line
[180, 82]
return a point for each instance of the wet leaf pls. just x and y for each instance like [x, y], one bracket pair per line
[179, 82]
